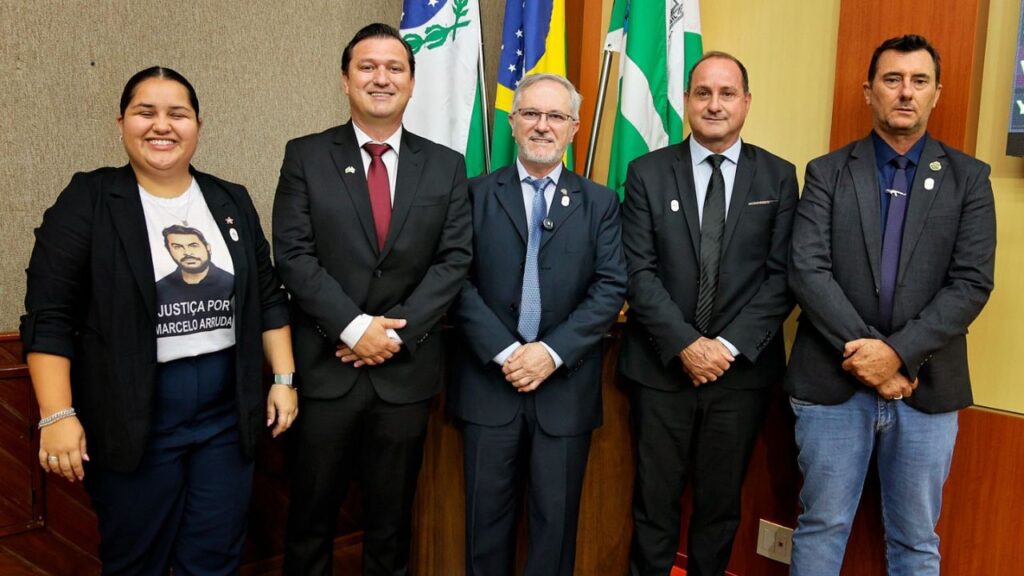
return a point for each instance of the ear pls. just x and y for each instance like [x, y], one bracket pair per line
[867, 92]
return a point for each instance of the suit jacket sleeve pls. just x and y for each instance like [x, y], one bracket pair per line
[442, 280]
[58, 273]
[810, 265]
[969, 278]
[316, 292]
[768, 309]
[484, 333]
[649, 301]
[273, 299]
[586, 325]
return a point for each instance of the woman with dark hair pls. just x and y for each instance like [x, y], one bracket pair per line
[151, 303]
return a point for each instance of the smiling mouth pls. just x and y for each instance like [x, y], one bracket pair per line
[160, 141]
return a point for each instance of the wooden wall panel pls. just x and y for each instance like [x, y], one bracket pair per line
[957, 28]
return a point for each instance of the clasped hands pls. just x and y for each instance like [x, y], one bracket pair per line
[375, 346]
[877, 365]
[705, 360]
[528, 366]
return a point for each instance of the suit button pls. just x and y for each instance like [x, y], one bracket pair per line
[512, 307]
[378, 272]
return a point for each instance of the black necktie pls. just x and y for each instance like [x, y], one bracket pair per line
[711, 228]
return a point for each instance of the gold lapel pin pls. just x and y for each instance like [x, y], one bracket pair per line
[935, 166]
[350, 170]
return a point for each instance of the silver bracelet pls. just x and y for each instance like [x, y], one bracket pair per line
[56, 417]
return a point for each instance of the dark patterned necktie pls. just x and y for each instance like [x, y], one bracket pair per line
[711, 230]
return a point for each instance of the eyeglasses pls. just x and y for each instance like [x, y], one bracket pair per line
[531, 116]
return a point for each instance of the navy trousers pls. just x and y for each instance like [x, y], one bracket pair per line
[185, 507]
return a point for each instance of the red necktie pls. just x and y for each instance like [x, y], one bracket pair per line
[380, 191]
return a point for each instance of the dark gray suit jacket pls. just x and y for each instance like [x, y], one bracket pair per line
[663, 252]
[582, 282]
[945, 272]
[325, 248]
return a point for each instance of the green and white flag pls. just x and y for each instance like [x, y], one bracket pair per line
[447, 103]
[653, 67]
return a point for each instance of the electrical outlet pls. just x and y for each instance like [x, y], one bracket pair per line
[775, 541]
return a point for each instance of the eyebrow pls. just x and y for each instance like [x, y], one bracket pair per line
[151, 106]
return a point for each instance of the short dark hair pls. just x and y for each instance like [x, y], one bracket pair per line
[157, 72]
[376, 30]
[904, 44]
[183, 230]
[719, 54]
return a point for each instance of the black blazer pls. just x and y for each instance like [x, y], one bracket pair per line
[945, 272]
[91, 297]
[663, 252]
[582, 283]
[326, 251]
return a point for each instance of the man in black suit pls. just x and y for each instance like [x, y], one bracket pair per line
[372, 238]
[548, 279]
[706, 227]
[892, 259]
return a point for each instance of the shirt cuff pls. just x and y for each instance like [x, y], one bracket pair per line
[504, 354]
[554, 356]
[732, 349]
[355, 330]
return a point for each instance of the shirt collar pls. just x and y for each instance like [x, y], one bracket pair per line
[699, 153]
[395, 140]
[885, 153]
[555, 173]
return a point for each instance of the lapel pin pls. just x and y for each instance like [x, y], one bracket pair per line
[674, 205]
[350, 170]
[548, 224]
[234, 234]
[229, 220]
[935, 166]
[929, 183]
[565, 198]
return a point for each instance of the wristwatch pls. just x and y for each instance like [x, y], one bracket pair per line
[285, 379]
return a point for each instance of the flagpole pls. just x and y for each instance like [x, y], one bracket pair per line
[602, 89]
[483, 107]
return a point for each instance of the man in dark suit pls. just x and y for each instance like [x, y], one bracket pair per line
[706, 226]
[372, 238]
[892, 258]
[547, 280]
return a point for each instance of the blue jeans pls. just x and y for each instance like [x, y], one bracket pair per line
[835, 443]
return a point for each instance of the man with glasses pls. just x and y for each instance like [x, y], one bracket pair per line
[547, 280]
[706, 227]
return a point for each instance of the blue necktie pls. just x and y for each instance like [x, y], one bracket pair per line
[529, 304]
[892, 238]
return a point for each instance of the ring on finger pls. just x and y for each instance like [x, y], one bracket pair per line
[52, 459]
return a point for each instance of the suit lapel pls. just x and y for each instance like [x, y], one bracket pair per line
[510, 196]
[865, 182]
[407, 182]
[568, 186]
[686, 196]
[921, 198]
[130, 226]
[225, 214]
[349, 162]
[745, 171]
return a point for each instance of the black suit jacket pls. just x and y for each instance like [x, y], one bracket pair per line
[663, 252]
[92, 298]
[326, 251]
[944, 279]
[582, 283]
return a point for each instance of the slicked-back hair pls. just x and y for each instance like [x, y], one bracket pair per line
[905, 44]
[376, 30]
[725, 56]
[157, 72]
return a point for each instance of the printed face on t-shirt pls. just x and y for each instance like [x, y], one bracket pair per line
[189, 252]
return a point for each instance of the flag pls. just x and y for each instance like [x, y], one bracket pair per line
[533, 41]
[447, 103]
[653, 67]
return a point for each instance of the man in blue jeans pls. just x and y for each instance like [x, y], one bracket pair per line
[892, 259]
